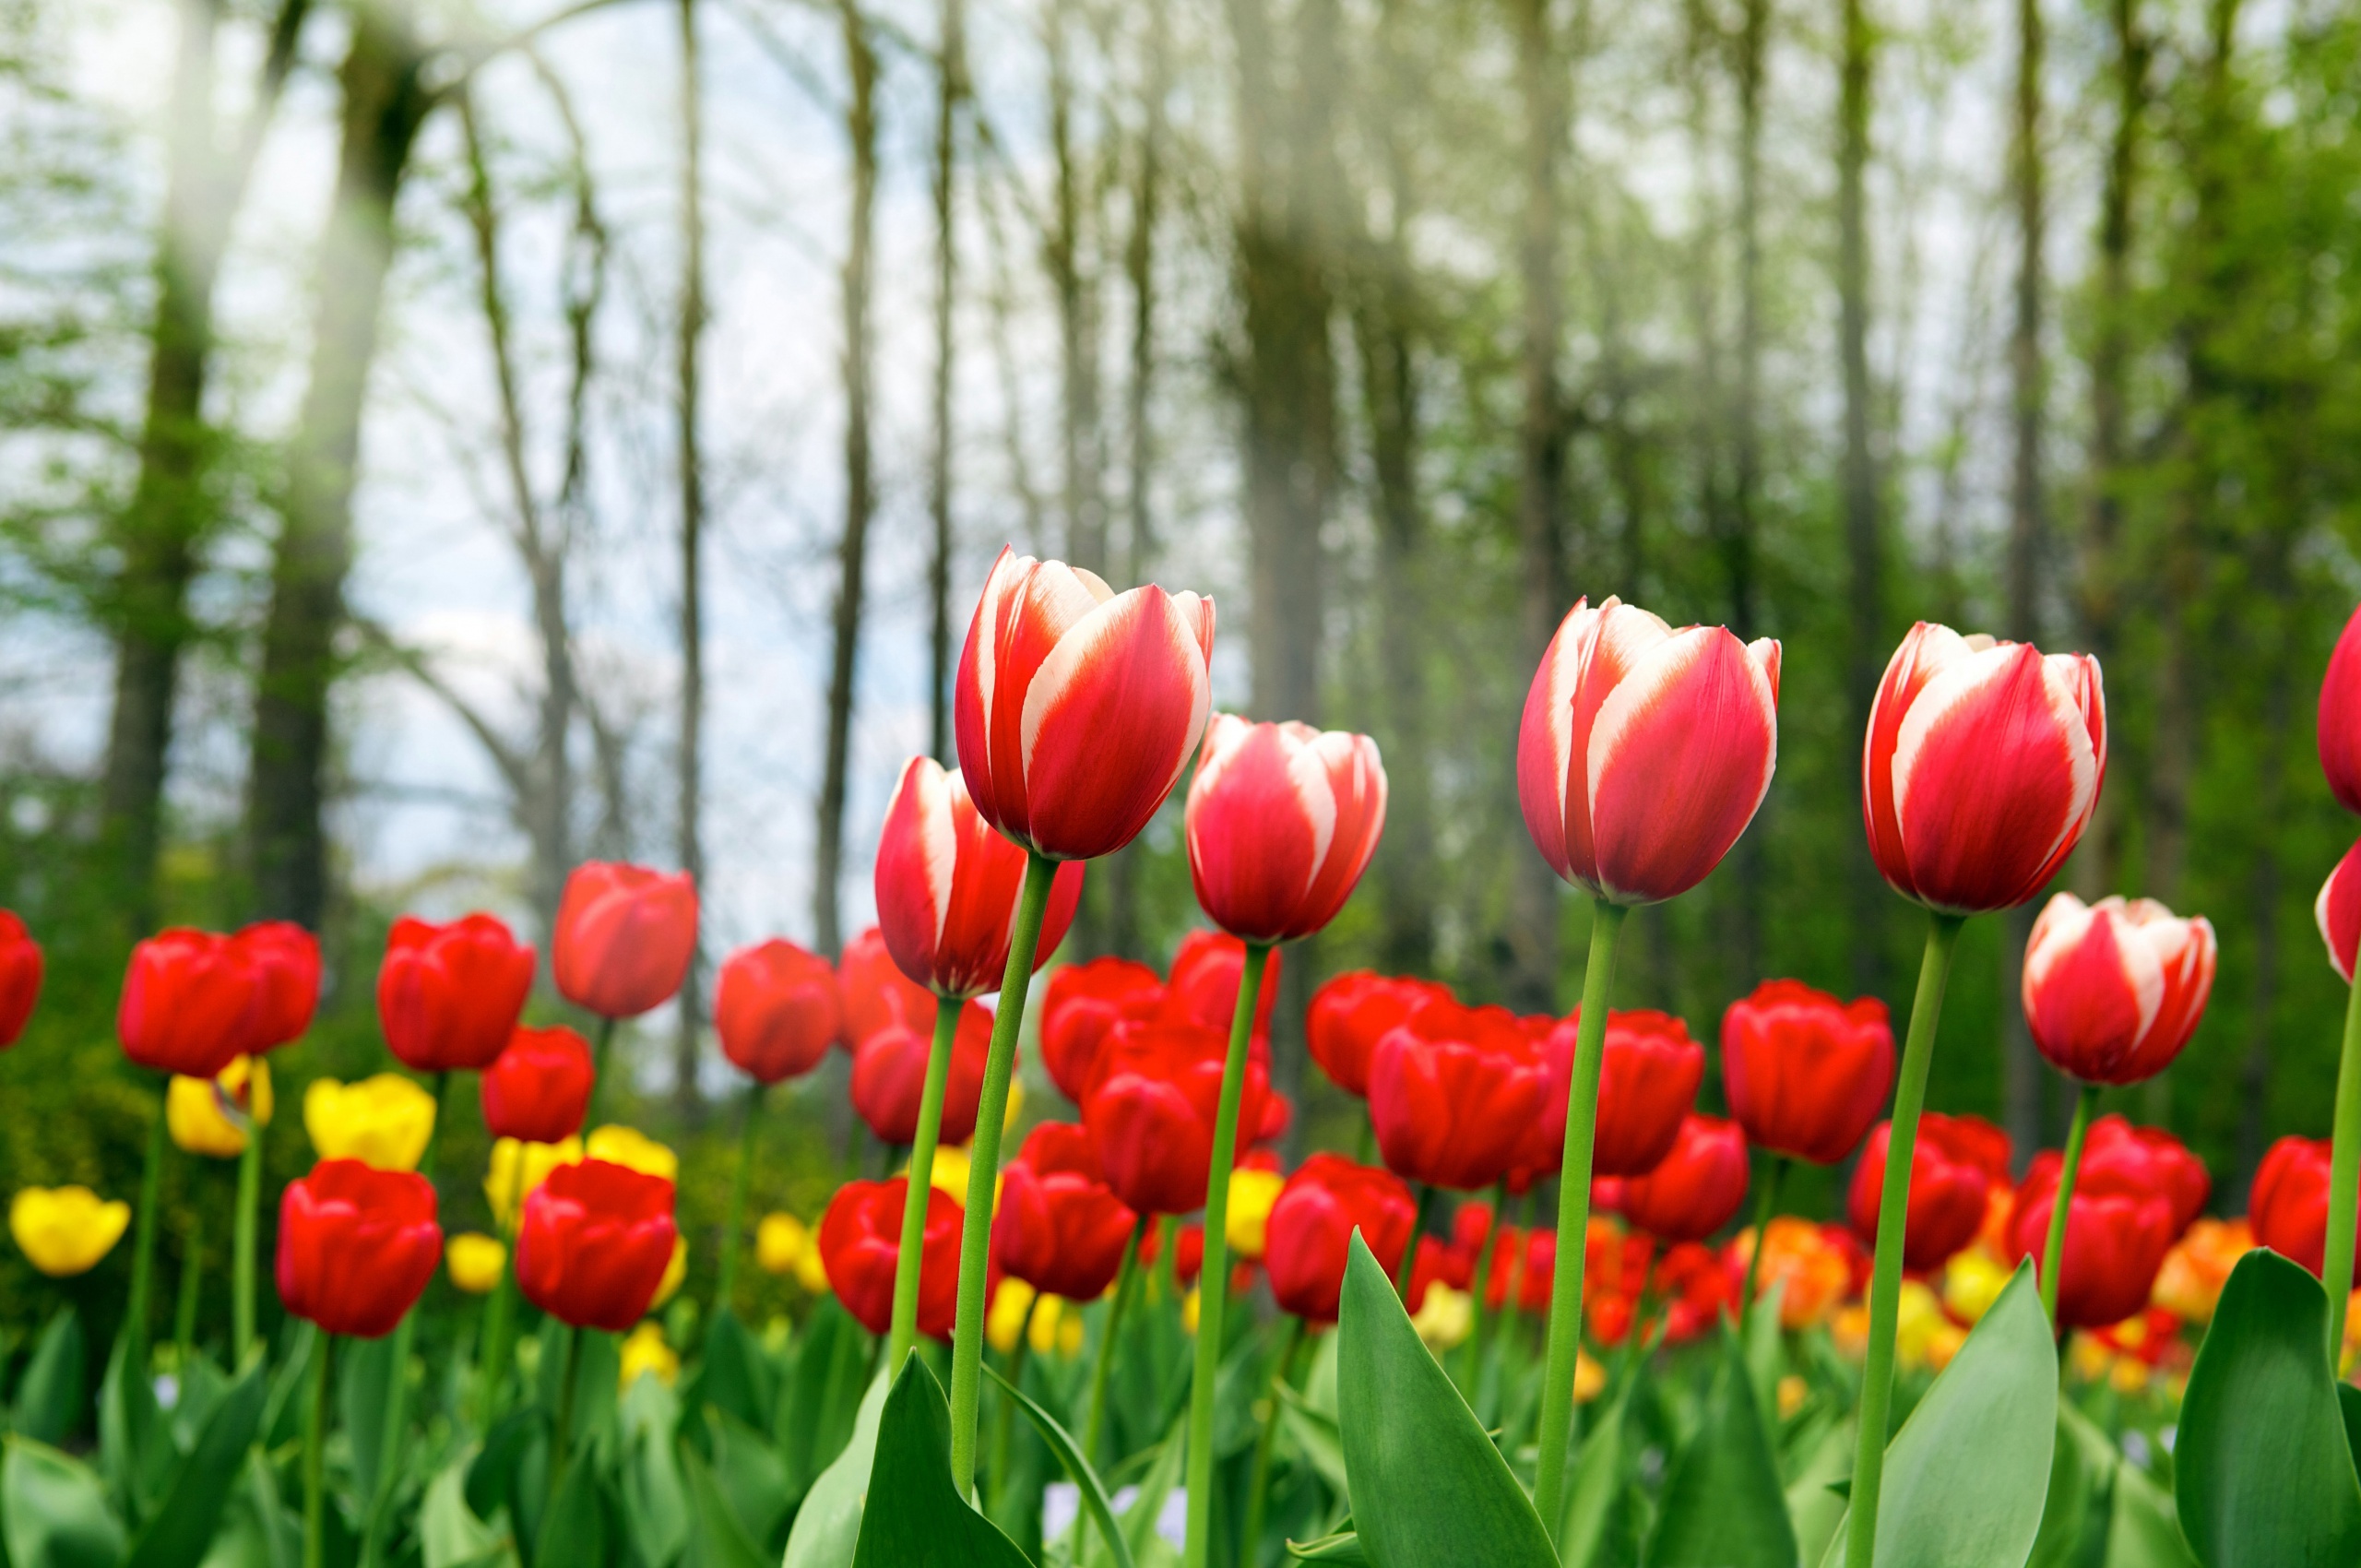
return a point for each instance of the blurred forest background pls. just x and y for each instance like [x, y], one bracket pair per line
[443, 441]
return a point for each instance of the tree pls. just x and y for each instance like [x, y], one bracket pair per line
[692, 465]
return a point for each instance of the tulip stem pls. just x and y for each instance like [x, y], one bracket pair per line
[2344, 1176]
[983, 1168]
[493, 1355]
[1213, 1278]
[1766, 1203]
[908, 1260]
[143, 1255]
[185, 1313]
[1258, 1486]
[1408, 1269]
[561, 1434]
[316, 1438]
[1127, 1280]
[1893, 1218]
[733, 1239]
[241, 1261]
[1557, 1429]
[2053, 1249]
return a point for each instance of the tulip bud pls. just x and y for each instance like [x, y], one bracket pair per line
[356, 1246]
[1453, 1092]
[644, 1354]
[2338, 912]
[1282, 820]
[2340, 721]
[2288, 1205]
[775, 1010]
[1059, 1227]
[2113, 992]
[1351, 1013]
[1955, 1165]
[1150, 1112]
[538, 1090]
[595, 1243]
[2116, 1241]
[1696, 1188]
[20, 966]
[947, 886]
[187, 998]
[861, 1240]
[1806, 1073]
[874, 995]
[1246, 1225]
[63, 1231]
[1207, 968]
[1649, 1072]
[633, 1151]
[624, 937]
[285, 961]
[1308, 1236]
[448, 996]
[475, 1262]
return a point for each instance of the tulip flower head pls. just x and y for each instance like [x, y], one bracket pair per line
[775, 1009]
[20, 968]
[211, 1116]
[947, 886]
[384, 1120]
[284, 960]
[859, 1241]
[2113, 990]
[644, 1354]
[624, 937]
[1953, 1170]
[475, 1262]
[594, 1243]
[1644, 751]
[63, 1231]
[1309, 1235]
[1150, 1111]
[1453, 1093]
[1282, 820]
[1059, 1227]
[356, 1246]
[889, 1077]
[2116, 1241]
[1982, 766]
[784, 1244]
[2118, 1156]
[1352, 1012]
[1083, 1002]
[1207, 968]
[874, 993]
[2339, 720]
[1696, 1188]
[1805, 1072]
[2190, 1284]
[448, 996]
[187, 999]
[2338, 911]
[1812, 1266]
[2288, 1205]
[1649, 1072]
[633, 1151]
[538, 1090]
[1078, 706]
[517, 1168]
[1246, 1225]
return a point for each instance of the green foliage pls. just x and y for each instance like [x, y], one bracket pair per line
[929, 1525]
[1723, 1507]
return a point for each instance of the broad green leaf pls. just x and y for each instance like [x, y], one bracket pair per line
[257, 1530]
[183, 1524]
[1723, 1507]
[201, 1387]
[1597, 1517]
[1320, 1382]
[2262, 1468]
[573, 1532]
[53, 1511]
[2348, 1404]
[449, 1534]
[1314, 1431]
[824, 1397]
[1069, 1453]
[283, 1416]
[827, 1527]
[747, 1473]
[2079, 1513]
[1815, 1506]
[1427, 1485]
[364, 1376]
[1968, 1474]
[49, 1396]
[135, 1453]
[1342, 1547]
[716, 1539]
[736, 1375]
[929, 1523]
[1159, 1481]
[654, 1494]
[1766, 1354]
[2144, 1531]
[491, 1475]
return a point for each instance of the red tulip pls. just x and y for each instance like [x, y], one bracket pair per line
[2338, 910]
[1951, 1172]
[1282, 820]
[2115, 1241]
[538, 1090]
[1083, 1002]
[2121, 1159]
[2288, 1205]
[1695, 1189]
[1310, 1233]
[1647, 1082]
[594, 1243]
[1452, 1093]
[2340, 723]
[1149, 1109]
[1060, 1228]
[19, 977]
[1805, 1072]
[947, 886]
[2112, 991]
[1436, 1263]
[1078, 706]
[1983, 763]
[775, 1008]
[1696, 1289]
[625, 935]
[1188, 1262]
[874, 993]
[861, 1240]
[889, 1079]
[1645, 751]
[1207, 968]
[188, 1002]
[285, 959]
[1351, 1013]
[448, 996]
[356, 1246]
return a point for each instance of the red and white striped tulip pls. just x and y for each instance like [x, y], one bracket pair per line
[1282, 820]
[1077, 706]
[947, 886]
[2113, 990]
[1982, 764]
[2338, 910]
[1644, 751]
[2340, 726]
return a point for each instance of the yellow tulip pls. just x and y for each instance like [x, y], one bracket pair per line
[812, 1272]
[517, 1169]
[208, 1116]
[475, 1260]
[1011, 1309]
[949, 1174]
[1445, 1317]
[1189, 1312]
[1016, 1106]
[1923, 1336]
[780, 1242]
[1793, 1392]
[627, 1145]
[384, 1120]
[1972, 1281]
[1063, 1328]
[674, 1272]
[644, 1351]
[66, 1230]
[1252, 1193]
[1590, 1377]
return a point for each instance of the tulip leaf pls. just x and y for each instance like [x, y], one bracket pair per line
[364, 1370]
[183, 1525]
[1722, 1506]
[2143, 1531]
[135, 1453]
[574, 1530]
[1314, 1431]
[1428, 1485]
[282, 1415]
[716, 1539]
[50, 1395]
[1085, 1480]
[2348, 1404]
[929, 1525]
[1815, 1506]
[1597, 1522]
[735, 1376]
[256, 1530]
[1766, 1355]
[1342, 1547]
[2079, 1514]
[1996, 1401]
[53, 1511]
[827, 1527]
[824, 1396]
[654, 1494]
[747, 1473]
[449, 1533]
[491, 1475]
[2261, 1466]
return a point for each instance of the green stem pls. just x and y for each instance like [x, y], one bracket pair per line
[185, 1314]
[315, 1437]
[733, 1239]
[1213, 1280]
[1095, 1411]
[1258, 1486]
[1557, 1429]
[1766, 1203]
[561, 1434]
[241, 1259]
[599, 1054]
[2344, 1176]
[1005, 1417]
[492, 1360]
[2053, 1251]
[398, 1381]
[983, 1168]
[143, 1255]
[1893, 1218]
[906, 1262]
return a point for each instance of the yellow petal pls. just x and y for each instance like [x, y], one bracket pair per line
[780, 1242]
[475, 1262]
[1252, 1193]
[643, 1351]
[384, 1120]
[66, 1230]
[674, 1272]
[628, 1146]
[1445, 1317]
[517, 1169]
[1005, 1318]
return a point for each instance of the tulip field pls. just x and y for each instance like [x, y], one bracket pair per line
[1540, 1308]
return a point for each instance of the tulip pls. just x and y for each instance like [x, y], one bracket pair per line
[187, 998]
[784, 1244]
[1812, 1266]
[384, 1120]
[1351, 1013]
[1649, 1071]
[538, 1090]
[1697, 1187]
[889, 1079]
[676, 1269]
[1282, 819]
[2113, 992]
[2190, 1284]
[20, 966]
[624, 937]
[1252, 1191]
[1060, 1229]
[1150, 1111]
[1207, 970]
[644, 1354]
[860, 1242]
[2118, 1156]
[356, 1246]
[1950, 1177]
[2340, 717]
[516, 1168]
[63, 1231]
[2289, 1204]
[285, 961]
[775, 1007]
[876, 994]
[1310, 1229]
[594, 1243]
[211, 1116]
[475, 1262]
[1452, 1091]
[1805, 1072]
[2339, 913]
[633, 1151]
[448, 996]
[1082, 1004]
[2113, 1244]
[1696, 1290]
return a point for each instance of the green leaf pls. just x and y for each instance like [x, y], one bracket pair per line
[53, 1511]
[1766, 1352]
[2076, 1518]
[824, 1397]
[491, 1475]
[183, 1525]
[1085, 1480]
[827, 1527]
[49, 1399]
[2261, 1466]
[364, 1375]
[654, 1494]
[573, 1532]
[1314, 1431]
[1967, 1475]
[2348, 1403]
[449, 1533]
[929, 1525]
[1815, 1502]
[1343, 1547]
[1723, 1507]
[2144, 1532]
[736, 1375]
[135, 1453]
[1427, 1484]
[1597, 1519]
[748, 1474]
[716, 1539]
[283, 1416]
[257, 1531]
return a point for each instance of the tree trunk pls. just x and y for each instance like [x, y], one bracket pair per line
[383, 103]
[1746, 459]
[692, 758]
[1864, 530]
[1077, 294]
[950, 88]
